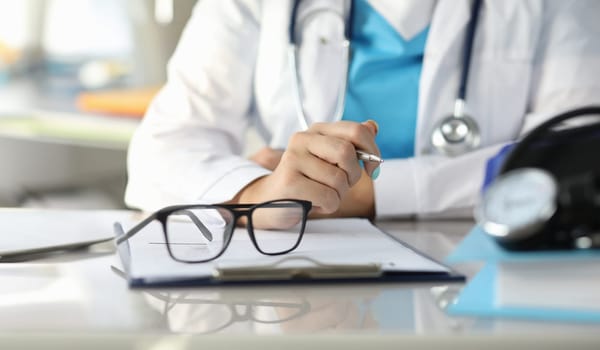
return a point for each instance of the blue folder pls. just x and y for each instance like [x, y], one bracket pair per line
[478, 296]
[477, 299]
[479, 246]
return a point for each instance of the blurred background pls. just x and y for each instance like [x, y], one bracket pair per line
[75, 78]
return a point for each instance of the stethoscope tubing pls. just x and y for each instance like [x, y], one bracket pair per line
[468, 50]
[460, 102]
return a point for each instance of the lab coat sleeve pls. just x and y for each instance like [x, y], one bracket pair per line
[431, 185]
[188, 148]
[565, 75]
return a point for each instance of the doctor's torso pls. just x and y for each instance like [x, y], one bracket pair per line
[531, 59]
[500, 71]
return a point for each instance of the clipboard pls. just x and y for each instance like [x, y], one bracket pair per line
[331, 251]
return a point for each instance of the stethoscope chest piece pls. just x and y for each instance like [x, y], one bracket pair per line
[459, 133]
[455, 135]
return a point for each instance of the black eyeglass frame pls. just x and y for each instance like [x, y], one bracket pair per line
[237, 210]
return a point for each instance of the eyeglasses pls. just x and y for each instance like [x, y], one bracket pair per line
[200, 232]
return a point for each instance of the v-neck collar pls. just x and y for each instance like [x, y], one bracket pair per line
[408, 17]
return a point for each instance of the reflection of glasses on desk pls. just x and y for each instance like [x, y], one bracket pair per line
[213, 227]
[204, 315]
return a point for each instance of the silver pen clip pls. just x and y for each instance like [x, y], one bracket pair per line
[368, 157]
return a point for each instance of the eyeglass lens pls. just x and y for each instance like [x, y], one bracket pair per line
[283, 216]
[198, 234]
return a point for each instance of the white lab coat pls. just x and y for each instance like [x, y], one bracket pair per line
[531, 59]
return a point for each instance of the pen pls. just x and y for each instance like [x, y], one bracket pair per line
[367, 157]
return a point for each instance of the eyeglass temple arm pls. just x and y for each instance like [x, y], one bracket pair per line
[123, 236]
[205, 231]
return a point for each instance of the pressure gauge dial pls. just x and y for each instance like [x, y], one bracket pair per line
[518, 204]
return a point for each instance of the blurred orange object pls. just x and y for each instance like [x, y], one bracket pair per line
[127, 102]
[8, 55]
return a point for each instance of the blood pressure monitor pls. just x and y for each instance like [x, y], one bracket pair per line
[518, 205]
[547, 194]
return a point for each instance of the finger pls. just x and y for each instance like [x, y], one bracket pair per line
[333, 150]
[319, 170]
[360, 135]
[372, 125]
[327, 174]
[337, 152]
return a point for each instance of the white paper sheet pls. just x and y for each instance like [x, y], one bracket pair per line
[330, 241]
[23, 231]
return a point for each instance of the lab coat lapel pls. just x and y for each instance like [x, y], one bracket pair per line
[320, 31]
[307, 7]
[441, 67]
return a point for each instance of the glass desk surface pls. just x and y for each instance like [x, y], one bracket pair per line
[79, 297]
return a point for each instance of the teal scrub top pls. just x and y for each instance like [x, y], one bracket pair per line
[383, 80]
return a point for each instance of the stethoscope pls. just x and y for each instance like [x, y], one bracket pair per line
[452, 135]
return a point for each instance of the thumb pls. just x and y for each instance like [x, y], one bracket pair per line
[372, 125]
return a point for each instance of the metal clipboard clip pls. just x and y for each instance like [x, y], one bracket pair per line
[317, 271]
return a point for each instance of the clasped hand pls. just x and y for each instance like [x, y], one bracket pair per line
[320, 165]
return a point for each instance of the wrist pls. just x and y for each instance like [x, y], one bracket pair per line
[250, 193]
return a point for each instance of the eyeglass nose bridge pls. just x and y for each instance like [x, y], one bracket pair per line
[239, 213]
[242, 213]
